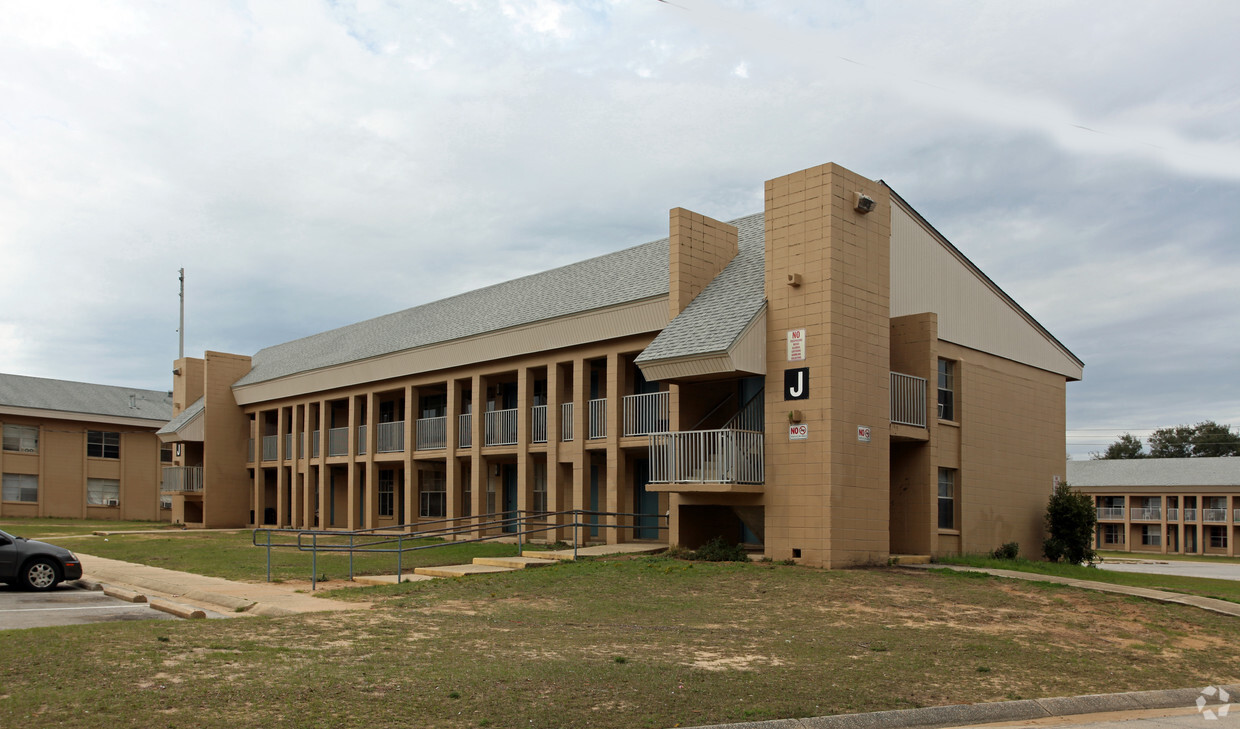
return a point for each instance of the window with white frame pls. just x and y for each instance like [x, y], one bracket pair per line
[1151, 535]
[1112, 533]
[387, 492]
[947, 498]
[20, 487]
[540, 487]
[103, 492]
[21, 438]
[433, 495]
[103, 444]
[947, 389]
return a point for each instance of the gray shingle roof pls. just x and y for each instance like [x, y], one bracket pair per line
[712, 322]
[616, 278]
[1155, 472]
[81, 397]
[186, 415]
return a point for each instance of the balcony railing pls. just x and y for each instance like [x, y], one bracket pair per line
[1173, 514]
[538, 424]
[391, 437]
[646, 413]
[566, 422]
[1190, 515]
[337, 441]
[1146, 514]
[465, 430]
[1235, 515]
[707, 456]
[598, 418]
[501, 427]
[249, 451]
[301, 445]
[908, 400]
[1111, 513]
[271, 444]
[314, 444]
[288, 446]
[182, 479]
[1214, 515]
[361, 440]
[431, 434]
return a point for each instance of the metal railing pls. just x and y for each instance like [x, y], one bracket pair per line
[707, 456]
[391, 437]
[566, 422]
[361, 440]
[1152, 513]
[751, 416]
[465, 430]
[314, 444]
[500, 427]
[1173, 514]
[182, 479]
[403, 538]
[288, 446]
[301, 445]
[598, 419]
[1112, 513]
[646, 413]
[249, 451]
[1190, 515]
[538, 424]
[908, 400]
[431, 433]
[271, 444]
[337, 441]
[1235, 515]
[1214, 515]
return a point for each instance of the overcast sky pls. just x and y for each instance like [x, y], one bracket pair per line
[315, 164]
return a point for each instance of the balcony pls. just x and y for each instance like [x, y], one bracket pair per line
[566, 422]
[711, 460]
[431, 434]
[1190, 515]
[1214, 515]
[500, 427]
[271, 444]
[338, 441]
[598, 419]
[1110, 513]
[465, 430]
[908, 400]
[538, 424]
[1173, 514]
[1146, 514]
[314, 444]
[1235, 515]
[391, 437]
[361, 440]
[646, 413]
[182, 480]
[301, 445]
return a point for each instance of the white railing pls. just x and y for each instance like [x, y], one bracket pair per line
[501, 427]
[314, 444]
[288, 446]
[1235, 515]
[646, 413]
[391, 437]
[1190, 515]
[181, 479]
[566, 422]
[598, 418]
[908, 400]
[1146, 514]
[465, 430]
[431, 434]
[1115, 513]
[301, 445]
[538, 424]
[707, 456]
[1173, 514]
[751, 416]
[1214, 515]
[271, 444]
[361, 440]
[337, 441]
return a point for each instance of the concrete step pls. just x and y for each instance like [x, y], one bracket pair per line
[909, 559]
[603, 550]
[390, 579]
[460, 570]
[516, 563]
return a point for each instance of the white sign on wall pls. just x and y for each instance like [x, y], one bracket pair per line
[796, 345]
[863, 433]
[798, 431]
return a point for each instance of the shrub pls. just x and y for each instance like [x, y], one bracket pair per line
[1070, 521]
[719, 549]
[1010, 550]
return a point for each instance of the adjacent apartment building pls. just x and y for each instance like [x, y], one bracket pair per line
[83, 451]
[1163, 505]
[827, 380]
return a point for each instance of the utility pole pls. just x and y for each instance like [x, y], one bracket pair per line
[181, 329]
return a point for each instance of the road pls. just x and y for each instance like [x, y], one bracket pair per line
[1214, 570]
[67, 605]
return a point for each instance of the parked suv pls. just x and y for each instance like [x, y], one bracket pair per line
[35, 565]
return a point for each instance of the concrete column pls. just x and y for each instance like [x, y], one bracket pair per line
[352, 512]
[408, 482]
[553, 446]
[581, 471]
[452, 465]
[478, 467]
[616, 471]
[371, 503]
[321, 482]
[282, 506]
[525, 404]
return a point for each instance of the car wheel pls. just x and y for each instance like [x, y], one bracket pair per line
[40, 574]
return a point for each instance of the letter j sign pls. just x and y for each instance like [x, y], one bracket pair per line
[796, 383]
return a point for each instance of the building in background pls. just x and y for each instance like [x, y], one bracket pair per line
[828, 380]
[83, 451]
[1163, 505]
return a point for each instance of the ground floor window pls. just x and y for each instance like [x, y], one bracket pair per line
[387, 492]
[21, 487]
[1151, 535]
[165, 502]
[103, 492]
[540, 487]
[433, 496]
[1112, 533]
[947, 498]
[1218, 537]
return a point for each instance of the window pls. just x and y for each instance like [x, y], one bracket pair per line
[165, 502]
[947, 498]
[21, 487]
[947, 389]
[21, 438]
[165, 453]
[1112, 533]
[540, 487]
[103, 444]
[387, 492]
[1151, 535]
[1218, 537]
[433, 499]
[103, 492]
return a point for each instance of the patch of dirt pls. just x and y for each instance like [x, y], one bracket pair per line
[708, 661]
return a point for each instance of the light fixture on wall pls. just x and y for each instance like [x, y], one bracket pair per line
[863, 203]
[794, 280]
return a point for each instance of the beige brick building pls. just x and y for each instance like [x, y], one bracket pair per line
[82, 451]
[829, 380]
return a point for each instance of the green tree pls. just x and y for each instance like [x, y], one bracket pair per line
[1174, 442]
[1204, 439]
[1070, 522]
[1128, 446]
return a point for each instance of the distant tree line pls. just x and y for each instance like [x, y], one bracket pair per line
[1205, 439]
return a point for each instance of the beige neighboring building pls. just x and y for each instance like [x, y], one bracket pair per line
[82, 451]
[828, 380]
[1163, 505]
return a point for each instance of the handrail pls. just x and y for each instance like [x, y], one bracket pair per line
[379, 541]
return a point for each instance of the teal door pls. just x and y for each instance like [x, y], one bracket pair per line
[508, 478]
[645, 503]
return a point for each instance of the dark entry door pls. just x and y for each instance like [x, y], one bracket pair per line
[645, 503]
[508, 483]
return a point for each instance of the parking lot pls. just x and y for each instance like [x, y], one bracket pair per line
[67, 605]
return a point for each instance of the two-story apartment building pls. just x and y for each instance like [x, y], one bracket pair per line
[79, 450]
[829, 380]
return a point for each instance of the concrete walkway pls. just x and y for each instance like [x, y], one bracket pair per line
[1205, 603]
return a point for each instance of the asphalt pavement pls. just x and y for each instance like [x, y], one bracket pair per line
[1213, 570]
[67, 605]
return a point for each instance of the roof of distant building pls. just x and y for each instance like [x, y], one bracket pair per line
[1155, 472]
[38, 393]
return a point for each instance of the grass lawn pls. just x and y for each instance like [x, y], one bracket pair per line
[1221, 589]
[55, 527]
[637, 642]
